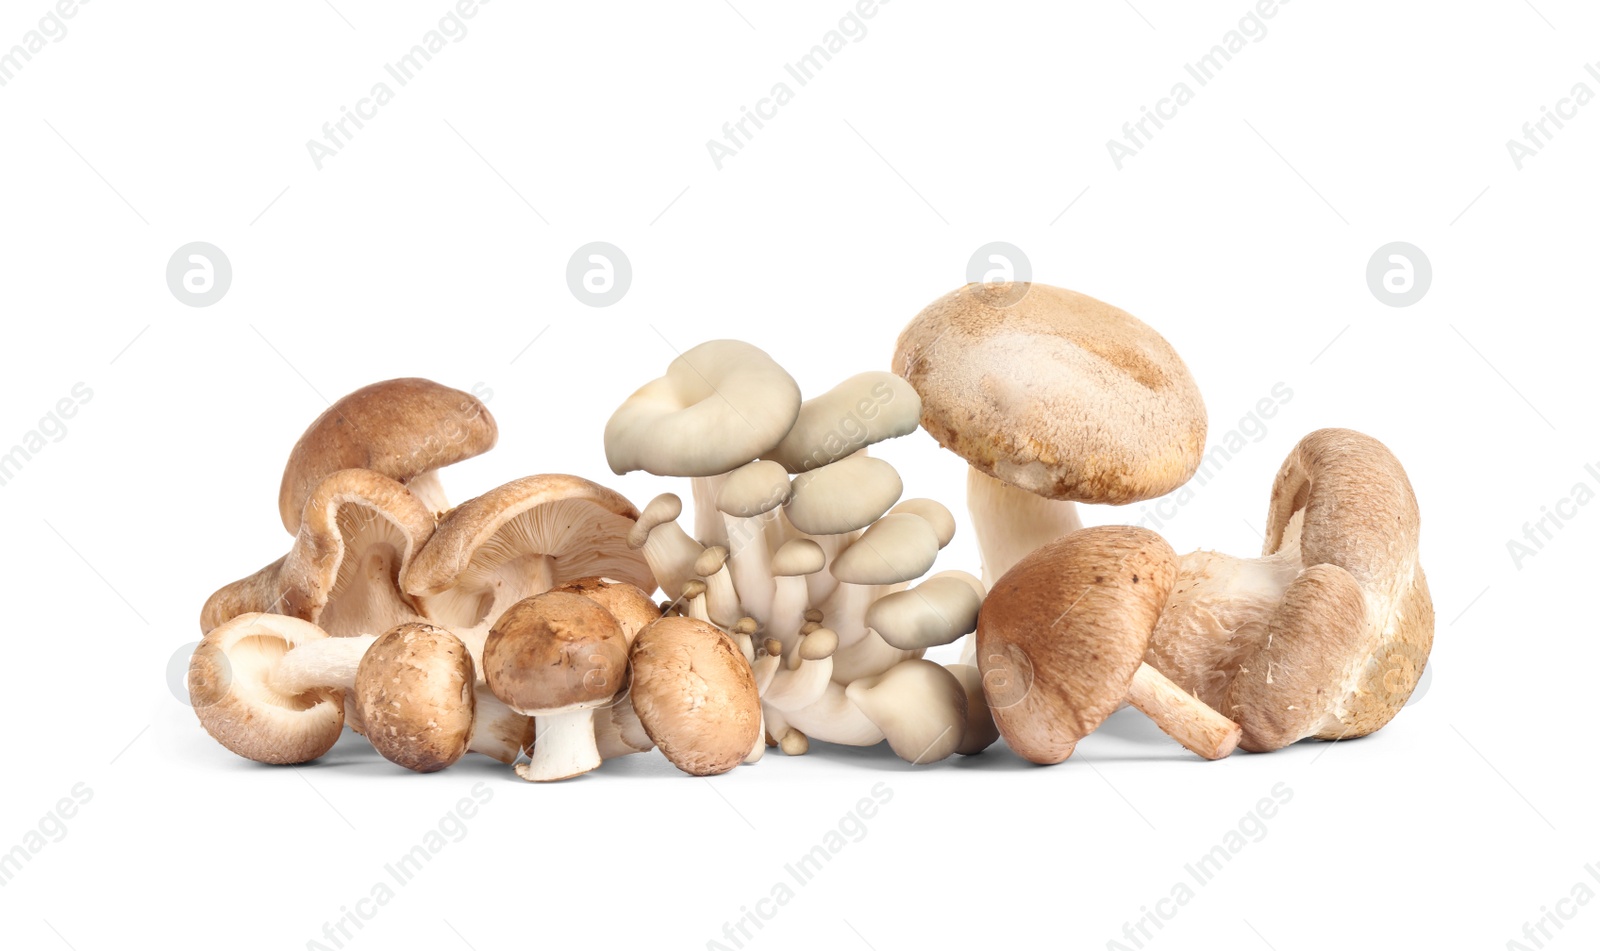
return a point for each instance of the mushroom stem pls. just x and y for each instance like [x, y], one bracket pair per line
[788, 610]
[750, 560]
[671, 554]
[429, 491]
[330, 662]
[563, 746]
[832, 718]
[1199, 728]
[497, 730]
[846, 611]
[822, 583]
[708, 527]
[1010, 522]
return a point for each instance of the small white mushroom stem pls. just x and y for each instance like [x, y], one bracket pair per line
[708, 526]
[800, 687]
[497, 730]
[846, 611]
[329, 662]
[821, 584]
[867, 657]
[694, 600]
[774, 724]
[1010, 522]
[563, 745]
[788, 610]
[429, 491]
[1199, 728]
[766, 667]
[1216, 617]
[671, 555]
[722, 600]
[751, 561]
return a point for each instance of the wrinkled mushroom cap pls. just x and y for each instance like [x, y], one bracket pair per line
[1059, 394]
[398, 428]
[543, 528]
[414, 689]
[719, 405]
[230, 690]
[1062, 634]
[695, 694]
[553, 652]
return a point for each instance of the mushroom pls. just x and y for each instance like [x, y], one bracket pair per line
[865, 409]
[518, 540]
[1052, 397]
[748, 500]
[414, 690]
[271, 687]
[620, 732]
[1326, 634]
[556, 657]
[843, 496]
[980, 730]
[695, 695]
[1061, 644]
[405, 429]
[920, 707]
[359, 532]
[938, 611]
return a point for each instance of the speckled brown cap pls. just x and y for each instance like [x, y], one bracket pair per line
[628, 603]
[414, 689]
[1062, 634]
[555, 651]
[1058, 393]
[405, 429]
[695, 694]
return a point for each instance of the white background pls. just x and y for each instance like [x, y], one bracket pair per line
[436, 243]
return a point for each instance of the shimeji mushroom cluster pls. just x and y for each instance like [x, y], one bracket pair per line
[522, 623]
[803, 550]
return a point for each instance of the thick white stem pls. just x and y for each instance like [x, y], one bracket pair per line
[330, 662]
[788, 610]
[497, 730]
[430, 491]
[846, 611]
[708, 527]
[722, 601]
[834, 719]
[563, 746]
[671, 555]
[1010, 522]
[750, 561]
[793, 689]
[822, 584]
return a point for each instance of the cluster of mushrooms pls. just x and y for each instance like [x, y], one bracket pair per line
[522, 624]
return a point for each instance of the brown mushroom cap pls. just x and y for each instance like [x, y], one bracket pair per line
[401, 429]
[1062, 634]
[555, 651]
[628, 603]
[230, 689]
[414, 689]
[525, 537]
[1058, 393]
[695, 694]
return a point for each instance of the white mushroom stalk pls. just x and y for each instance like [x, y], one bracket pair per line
[792, 568]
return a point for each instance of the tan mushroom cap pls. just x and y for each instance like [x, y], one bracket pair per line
[863, 410]
[553, 652]
[932, 512]
[525, 537]
[896, 548]
[414, 689]
[798, 556]
[935, 612]
[754, 489]
[1345, 500]
[719, 405]
[402, 429]
[1060, 394]
[230, 689]
[628, 603]
[1287, 687]
[695, 694]
[1062, 634]
[844, 496]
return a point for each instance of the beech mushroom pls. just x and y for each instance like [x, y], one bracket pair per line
[1326, 634]
[695, 695]
[1061, 644]
[518, 540]
[1052, 397]
[556, 657]
[405, 429]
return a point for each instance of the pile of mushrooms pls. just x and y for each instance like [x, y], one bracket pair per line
[803, 551]
[522, 624]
